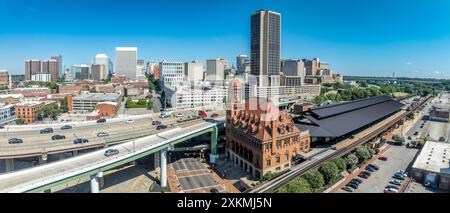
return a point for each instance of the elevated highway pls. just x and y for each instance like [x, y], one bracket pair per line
[36, 144]
[44, 177]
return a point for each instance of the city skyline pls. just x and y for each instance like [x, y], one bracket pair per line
[353, 37]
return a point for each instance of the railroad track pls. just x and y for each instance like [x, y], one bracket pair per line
[314, 163]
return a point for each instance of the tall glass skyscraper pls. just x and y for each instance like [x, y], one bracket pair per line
[265, 45]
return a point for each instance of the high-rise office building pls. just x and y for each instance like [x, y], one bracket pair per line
[151, 66]
[51, 67]
[99, 72]
[4, 79]
[32, 66]
[126, 61]
[242, 64]
[80, 71]
[312, 66]
[140, 68]
[171, 73]
[265, 45]
[85, 74]
[111, 68]
[193, 71]
[59, 60]
[102, 59]
[215, 69]
[293, 68]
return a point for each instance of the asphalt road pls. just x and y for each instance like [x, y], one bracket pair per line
[87, 131]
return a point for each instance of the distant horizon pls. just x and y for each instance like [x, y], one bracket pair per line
[353, 36]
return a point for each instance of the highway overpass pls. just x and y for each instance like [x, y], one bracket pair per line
[41, 145]
[44, 177]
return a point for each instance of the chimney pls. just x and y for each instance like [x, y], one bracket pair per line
[274, 135]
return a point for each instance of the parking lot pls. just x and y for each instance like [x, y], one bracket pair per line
[399, 158]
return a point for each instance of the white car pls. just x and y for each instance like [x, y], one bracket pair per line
[129, 121]
[102, 134]
[401, 172]
[390, 190]
[179, 115]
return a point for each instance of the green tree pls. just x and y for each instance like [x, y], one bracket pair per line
[330, 172]
[150, 104]
[319, 100]
[398, 139]
[151, 86]
[351, 160]
[363, 83]
[299, 185]
[20, 122]
[371, 152]
[362, 154]
[142, 101]
[340, 163]
[315, 179]
[63, 105]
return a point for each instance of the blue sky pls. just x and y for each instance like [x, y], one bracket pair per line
[357, 37]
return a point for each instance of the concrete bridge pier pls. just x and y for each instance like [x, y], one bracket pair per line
[213, 156]
[75, 153]
[9, 165]
[163, 173]
[101, 179]
[43, 159]
[95, 182]
[156, 161]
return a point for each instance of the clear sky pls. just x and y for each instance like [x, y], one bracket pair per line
[357, 37]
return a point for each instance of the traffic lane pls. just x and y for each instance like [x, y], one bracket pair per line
[103, 127]
[399, 158]
[76, 133]
[76, 127]
[128, 133]
[54, 146]
[109, 123]
[47, 171]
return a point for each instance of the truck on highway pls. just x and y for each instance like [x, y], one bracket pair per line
[202, 114]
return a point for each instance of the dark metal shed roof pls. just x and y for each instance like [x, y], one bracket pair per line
[340, 119]
[331, 110]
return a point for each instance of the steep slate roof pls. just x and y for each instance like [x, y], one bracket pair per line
[340, 119]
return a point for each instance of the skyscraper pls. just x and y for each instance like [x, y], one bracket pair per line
[140, 68]
[172, 73]
[215, 69]
[242, 62]
[265, 45]
[32, 66]
[102, 59]
[51, 67]
[4, 79]
[293, 68]
[59, 60]
[193, 71]
[126, 61]
[80, 71]
[99, 72]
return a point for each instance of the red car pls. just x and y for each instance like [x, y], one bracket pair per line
[362, 175]
[383, 158]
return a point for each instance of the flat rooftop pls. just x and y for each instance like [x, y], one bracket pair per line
[434, 157]
[103, 97]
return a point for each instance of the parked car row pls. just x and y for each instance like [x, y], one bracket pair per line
[395, 183]
[352, 185]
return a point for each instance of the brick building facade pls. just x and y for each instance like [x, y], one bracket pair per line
[261, 139]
